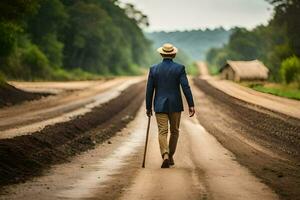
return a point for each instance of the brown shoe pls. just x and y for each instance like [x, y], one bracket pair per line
[165, 164]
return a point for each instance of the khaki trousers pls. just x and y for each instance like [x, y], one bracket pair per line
[162, 123]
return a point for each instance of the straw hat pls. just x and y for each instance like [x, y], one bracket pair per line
[167, 49]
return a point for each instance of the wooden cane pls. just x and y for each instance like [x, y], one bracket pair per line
[146, 143]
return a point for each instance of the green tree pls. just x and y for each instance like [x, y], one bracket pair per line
[243, 43]
[290, 70]
[57, 39]
[266, 43]
[35, 63]
[287, 14]
[101, 38]
[12, 21]
[45, 27]
[88, 38]
[8, 37]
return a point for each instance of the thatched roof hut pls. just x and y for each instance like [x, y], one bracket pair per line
[244, 70]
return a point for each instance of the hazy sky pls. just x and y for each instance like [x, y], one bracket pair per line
[193, 14]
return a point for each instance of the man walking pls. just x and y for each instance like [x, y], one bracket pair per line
[165, 80]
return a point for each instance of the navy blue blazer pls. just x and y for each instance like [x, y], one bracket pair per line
[165, 80]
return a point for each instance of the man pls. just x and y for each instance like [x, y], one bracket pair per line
[165, 80]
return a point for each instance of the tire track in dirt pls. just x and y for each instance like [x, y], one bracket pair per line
[26, 156]
[35, 115]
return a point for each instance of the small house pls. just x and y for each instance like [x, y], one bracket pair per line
[244, 70]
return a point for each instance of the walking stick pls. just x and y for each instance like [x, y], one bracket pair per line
[146, 144]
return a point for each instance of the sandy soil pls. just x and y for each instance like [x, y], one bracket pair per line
[265, 142]
[278, 104]
[27, 156]
[203, 70]
[34, 116]
[10, 95]
[108, 166]
[55, 87]
[204, 170]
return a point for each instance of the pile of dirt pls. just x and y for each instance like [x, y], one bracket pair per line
[230, 120]
[27, 156]
[10, 95]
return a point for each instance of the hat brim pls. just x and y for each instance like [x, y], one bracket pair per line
[160, 50]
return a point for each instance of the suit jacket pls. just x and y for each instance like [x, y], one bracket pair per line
[165, 80]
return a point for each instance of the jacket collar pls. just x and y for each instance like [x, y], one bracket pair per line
[167, 59]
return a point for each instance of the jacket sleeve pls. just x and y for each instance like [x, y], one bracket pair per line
[186, 87]
[149, 91]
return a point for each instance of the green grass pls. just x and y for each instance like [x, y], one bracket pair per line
[287, 91]
[213, 70]
[73, 75]
[61, 74]
[192, 69]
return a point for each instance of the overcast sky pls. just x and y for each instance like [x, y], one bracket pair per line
[171, 15]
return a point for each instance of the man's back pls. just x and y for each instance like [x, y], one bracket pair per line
[165, 78]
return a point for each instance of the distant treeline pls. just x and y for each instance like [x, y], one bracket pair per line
[276, 44]
[194, 43]
[67, 39]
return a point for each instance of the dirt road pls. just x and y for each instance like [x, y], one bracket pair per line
[265, 142]
[223, 154]
[75, 100]
[204, 170]
[282, 105]
[27, 156]
[202, 68]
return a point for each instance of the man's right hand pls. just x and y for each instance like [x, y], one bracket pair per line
[149, 113]
[191, 111]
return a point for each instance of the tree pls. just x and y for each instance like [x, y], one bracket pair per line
[136, 15]
[45, 27]
[8, 37]
[12, 21]
[42, 39]
[290, 70]
[287, 14]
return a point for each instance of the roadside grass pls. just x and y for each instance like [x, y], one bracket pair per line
[213, 70]
[73, 75]
[289, 91]
[192, 69]
[60, 74]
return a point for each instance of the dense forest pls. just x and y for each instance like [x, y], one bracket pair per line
[276, 44]
[194, 43]
[66, 39]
